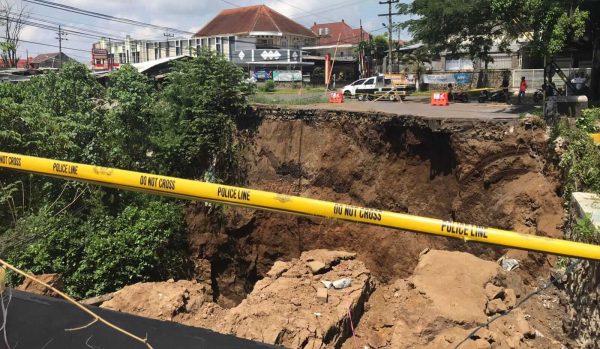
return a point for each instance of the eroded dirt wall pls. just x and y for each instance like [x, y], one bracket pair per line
[492, 173]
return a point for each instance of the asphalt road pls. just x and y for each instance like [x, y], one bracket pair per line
[421, 106]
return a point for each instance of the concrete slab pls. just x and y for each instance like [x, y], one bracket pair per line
[587, 203]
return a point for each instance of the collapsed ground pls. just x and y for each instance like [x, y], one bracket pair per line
[492, 173]
[259, 275]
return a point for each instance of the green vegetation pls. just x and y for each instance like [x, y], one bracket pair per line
[579, 160]
[588, 121]
[268, 86]
[474, 26]
[99, 238]
[585, 230]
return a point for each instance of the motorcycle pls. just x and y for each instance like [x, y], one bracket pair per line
[492, 96]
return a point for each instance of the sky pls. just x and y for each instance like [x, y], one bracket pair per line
[189, 15]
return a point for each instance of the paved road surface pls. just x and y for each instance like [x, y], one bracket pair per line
[421, 106]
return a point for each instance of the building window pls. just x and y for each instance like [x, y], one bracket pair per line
[264, 43]
[156, 50]
[122, 58]
[231, 45]
[323, 31]
[135, 56]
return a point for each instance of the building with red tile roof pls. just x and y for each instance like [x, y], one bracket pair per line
[329, 33]
[253, 20]
[257, 38]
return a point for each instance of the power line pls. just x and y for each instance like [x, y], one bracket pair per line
[99, 15]
[332, 7]
[303, 10]
[230, 3]
[49, 45]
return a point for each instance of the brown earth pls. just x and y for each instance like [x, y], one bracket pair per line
[491, 173]
[447, 296]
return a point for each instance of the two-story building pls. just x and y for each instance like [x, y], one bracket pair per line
[257, 38]
[339, 41]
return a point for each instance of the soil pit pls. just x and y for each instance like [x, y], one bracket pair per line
[490, 173]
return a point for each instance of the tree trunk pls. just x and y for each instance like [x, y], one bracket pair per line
[595, 83]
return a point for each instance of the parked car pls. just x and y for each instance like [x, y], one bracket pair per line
[350, 90]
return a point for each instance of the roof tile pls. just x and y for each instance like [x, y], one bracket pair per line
[243, 20]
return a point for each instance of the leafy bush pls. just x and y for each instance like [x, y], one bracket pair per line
[580, 161]
[588, 121]
[100, 238]
[268, 86]
[203, 97]
[104, 253]
[584, 230]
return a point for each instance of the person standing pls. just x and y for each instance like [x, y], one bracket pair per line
[522, 89]
[504, 86]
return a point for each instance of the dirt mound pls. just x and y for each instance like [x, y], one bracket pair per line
[293, 308]
[183, 301]
[485, 173]
[54, 280]
[449, 295]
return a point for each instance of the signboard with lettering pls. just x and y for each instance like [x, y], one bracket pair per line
[100, 53]
[287, 75]
[463, 78]
[263, 74]
[267, 55]
[439, 79]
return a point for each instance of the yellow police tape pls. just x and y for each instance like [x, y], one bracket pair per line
[196, 190]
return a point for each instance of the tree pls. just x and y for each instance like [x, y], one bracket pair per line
[415, 61]
[456, 26]
[593, 31]
[548, 25]
[202, 99]
[13, 19]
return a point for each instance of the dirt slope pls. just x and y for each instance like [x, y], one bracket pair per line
[487, 173]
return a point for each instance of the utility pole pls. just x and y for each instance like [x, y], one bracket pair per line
[389, 26]
[60, 38]
[108, 55]
[168, 36]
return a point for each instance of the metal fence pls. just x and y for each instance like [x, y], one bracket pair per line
[535, 77]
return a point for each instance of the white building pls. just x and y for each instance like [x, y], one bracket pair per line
[254, 37]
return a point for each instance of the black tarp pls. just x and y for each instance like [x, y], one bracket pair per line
[39, 322]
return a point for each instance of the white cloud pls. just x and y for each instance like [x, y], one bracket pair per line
[188, 15]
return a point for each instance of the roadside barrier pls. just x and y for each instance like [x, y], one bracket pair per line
[196, 190]
[439, 98]
[336, 97]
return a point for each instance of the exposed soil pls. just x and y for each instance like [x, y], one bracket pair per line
[491, 173]
[448, 295]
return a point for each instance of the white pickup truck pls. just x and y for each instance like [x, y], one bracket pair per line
[350, 90]
[381, 87]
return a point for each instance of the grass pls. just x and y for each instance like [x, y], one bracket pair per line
[287, 91]
[274, 99]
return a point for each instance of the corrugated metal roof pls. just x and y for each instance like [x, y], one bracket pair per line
[142, 67]
[244, 20]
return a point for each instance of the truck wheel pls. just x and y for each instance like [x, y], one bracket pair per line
[403, 98]
[360, 97]
[392, 98]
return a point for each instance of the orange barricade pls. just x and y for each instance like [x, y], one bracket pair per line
[439, 98]
[336, 97]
